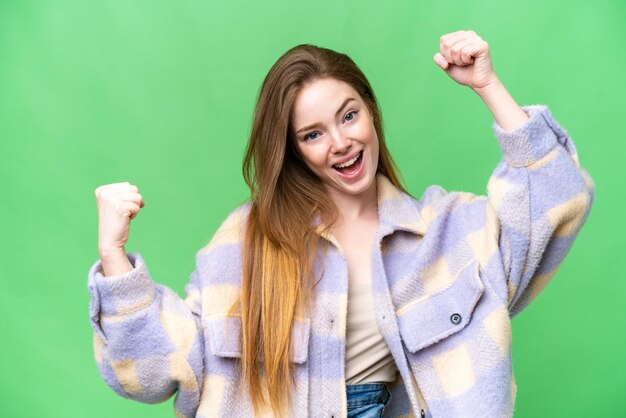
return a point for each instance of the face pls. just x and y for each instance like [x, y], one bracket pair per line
[335, 135]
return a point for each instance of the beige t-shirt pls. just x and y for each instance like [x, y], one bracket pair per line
[368, 358]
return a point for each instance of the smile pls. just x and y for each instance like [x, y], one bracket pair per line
[350, 167]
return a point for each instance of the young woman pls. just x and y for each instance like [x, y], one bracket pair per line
[333, 292]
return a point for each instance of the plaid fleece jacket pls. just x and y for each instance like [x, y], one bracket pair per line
[448, 273]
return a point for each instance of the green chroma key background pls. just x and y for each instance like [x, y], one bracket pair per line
[161, 94]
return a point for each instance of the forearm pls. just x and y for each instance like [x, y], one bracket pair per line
[114, 262]
[541, 197]
[145, 329]
[507, 113]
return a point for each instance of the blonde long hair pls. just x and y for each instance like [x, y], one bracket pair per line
[280, 238]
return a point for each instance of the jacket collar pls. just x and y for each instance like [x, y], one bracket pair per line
[397, 211]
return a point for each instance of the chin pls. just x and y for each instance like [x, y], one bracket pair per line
[360, 187]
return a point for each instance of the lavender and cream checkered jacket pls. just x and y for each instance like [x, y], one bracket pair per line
[449, 271]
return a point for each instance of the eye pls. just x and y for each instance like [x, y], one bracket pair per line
[312, 135]
[350, 115]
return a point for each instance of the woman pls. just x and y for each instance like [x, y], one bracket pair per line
[334, 292]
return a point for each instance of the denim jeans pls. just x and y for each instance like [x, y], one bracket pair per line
[367, 400]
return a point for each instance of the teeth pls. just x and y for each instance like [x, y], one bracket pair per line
[348, 163]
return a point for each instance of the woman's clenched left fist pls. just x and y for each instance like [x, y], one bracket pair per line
[465, 57]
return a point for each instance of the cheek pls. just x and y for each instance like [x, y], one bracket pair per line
[314, 159]
[365, 131]
[373, 143]
[373, 147]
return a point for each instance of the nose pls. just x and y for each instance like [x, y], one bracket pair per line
[340, 143]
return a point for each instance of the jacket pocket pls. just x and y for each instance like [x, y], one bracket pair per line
[436, 316]
[224, 337]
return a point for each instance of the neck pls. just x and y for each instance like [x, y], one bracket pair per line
[363, 206]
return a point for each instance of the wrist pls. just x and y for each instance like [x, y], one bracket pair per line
[489, 89]
[116, 265]
[111, 254]
[507, 113]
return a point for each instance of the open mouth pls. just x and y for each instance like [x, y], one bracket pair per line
[351, 166]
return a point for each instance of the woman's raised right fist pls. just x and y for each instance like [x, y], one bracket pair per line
[118, 204]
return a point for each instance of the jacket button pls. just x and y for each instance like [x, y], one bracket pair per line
[455, 318]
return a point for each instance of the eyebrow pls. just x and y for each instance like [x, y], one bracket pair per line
[315, 125]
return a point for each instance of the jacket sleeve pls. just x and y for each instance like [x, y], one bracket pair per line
[148, 342]
[539, 197]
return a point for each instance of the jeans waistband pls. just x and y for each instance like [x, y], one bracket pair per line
[374, 395]
[366, 387]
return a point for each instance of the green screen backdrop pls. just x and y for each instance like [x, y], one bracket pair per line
[161, 93]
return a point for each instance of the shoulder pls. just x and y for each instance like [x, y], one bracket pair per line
[219, 264]
[440, 205]
[230, 231]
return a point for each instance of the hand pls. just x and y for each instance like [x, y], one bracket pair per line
[118, 204]
[465, 57]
